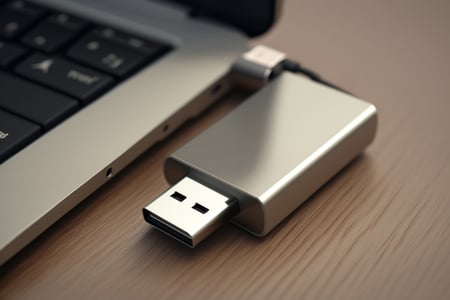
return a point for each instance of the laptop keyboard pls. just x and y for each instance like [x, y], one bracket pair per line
[53, 64]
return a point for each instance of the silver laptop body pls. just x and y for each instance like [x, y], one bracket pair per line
[53, 174]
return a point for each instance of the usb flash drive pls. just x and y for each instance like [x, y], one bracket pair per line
[263, 160]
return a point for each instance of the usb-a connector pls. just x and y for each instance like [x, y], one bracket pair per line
[189, 211]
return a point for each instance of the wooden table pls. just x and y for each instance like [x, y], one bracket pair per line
[379, 230]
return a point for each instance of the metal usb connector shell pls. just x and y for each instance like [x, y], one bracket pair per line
[256, 67]
[190, 211]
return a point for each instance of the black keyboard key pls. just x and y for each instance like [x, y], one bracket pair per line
[9, 53]
[147, 47]
[18, 16]
[68, 21]
[48, 37]
[26, 8]
[36, 103]
[106, 56]
[65, 76]
[15, 133]
[12, 23]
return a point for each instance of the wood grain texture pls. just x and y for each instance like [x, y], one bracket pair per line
[380, 229]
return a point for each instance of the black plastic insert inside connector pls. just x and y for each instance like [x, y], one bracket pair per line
[162, 225]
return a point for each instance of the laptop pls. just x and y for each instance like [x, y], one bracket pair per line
[87, 86]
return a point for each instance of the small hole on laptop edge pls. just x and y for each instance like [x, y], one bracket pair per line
[109, 173]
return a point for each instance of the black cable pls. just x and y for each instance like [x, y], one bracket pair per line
[295, 67]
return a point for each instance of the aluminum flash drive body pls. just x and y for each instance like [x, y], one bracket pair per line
[277, 148]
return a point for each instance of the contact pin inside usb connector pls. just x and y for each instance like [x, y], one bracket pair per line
[189, 211]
